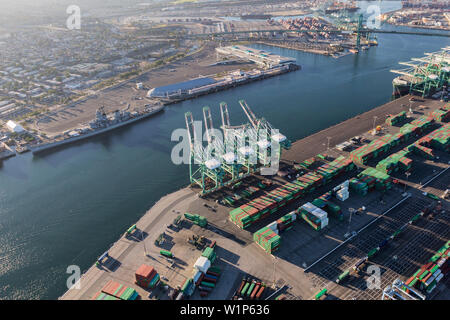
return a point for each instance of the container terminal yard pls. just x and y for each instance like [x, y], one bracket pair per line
[368, 192]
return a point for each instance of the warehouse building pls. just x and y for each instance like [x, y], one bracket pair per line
[179, 88]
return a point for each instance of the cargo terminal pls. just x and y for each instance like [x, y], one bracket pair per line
[268, 65]
[308, 232]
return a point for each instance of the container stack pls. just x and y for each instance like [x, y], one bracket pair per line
[359, 186]
[188, 287]
[441, 115]
[372, 150]
[314, 216]
[261, 207]
[197, 219]
[147, 277]
[285, 222]
[416, 127]
[341, 191]
[382, 180]
[120, 291]
[248, 192]
[209, 254]
[208, 281]
[334, 168]
[334, 210]
[394, 120]
[103, 296]
[395, 162]
[422, 151]
[249, 289]
[430, 274]
[331, 208]
[267, 239]
[320, 203]
[439, 139]
[307, 163]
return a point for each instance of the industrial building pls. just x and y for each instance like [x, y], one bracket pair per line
[14, 127]
[179, 88]
[260, 57]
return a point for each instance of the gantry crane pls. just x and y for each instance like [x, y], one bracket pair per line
[236, 139]
[266, 134]
[217, 147]
[425, 75]
[205, 169]
[400, 291]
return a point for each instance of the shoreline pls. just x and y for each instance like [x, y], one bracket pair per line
[47, 146]
[262, 76]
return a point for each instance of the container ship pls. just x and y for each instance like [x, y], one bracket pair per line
[424, 76]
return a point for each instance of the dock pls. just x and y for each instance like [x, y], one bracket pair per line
[308, 260]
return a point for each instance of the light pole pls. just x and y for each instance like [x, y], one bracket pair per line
[351, 210]
[374, 122]
[328, 144]
[143, 241]
[407, 179]
[274, 262]
[410, 106]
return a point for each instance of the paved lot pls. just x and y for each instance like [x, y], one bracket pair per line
[301, 247]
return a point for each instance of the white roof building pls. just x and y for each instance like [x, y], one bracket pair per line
[14, 127]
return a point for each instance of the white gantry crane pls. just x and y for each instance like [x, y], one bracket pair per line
[217, 149]
[236, 141]
[204, 169]
[400, 291]
[425, 75]
[266, 135]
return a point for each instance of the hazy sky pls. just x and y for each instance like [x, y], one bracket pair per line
[15, 12]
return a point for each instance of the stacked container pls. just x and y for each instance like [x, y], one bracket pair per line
[188, 287]
[439, 139]
[285, 222]
[372, 150]
[267, 239]
[120, 291]
[441, 115]
[430, 274]
[359, 186]
[394, 120]
[382, 180]
[334, 168]
[197, 219]
[342, 192]
[147, 277]
[209, 254]
[395, 162]
[103, 296]
[421, 151]
[313, 215]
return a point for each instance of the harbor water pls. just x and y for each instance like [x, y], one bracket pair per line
[67, 206]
